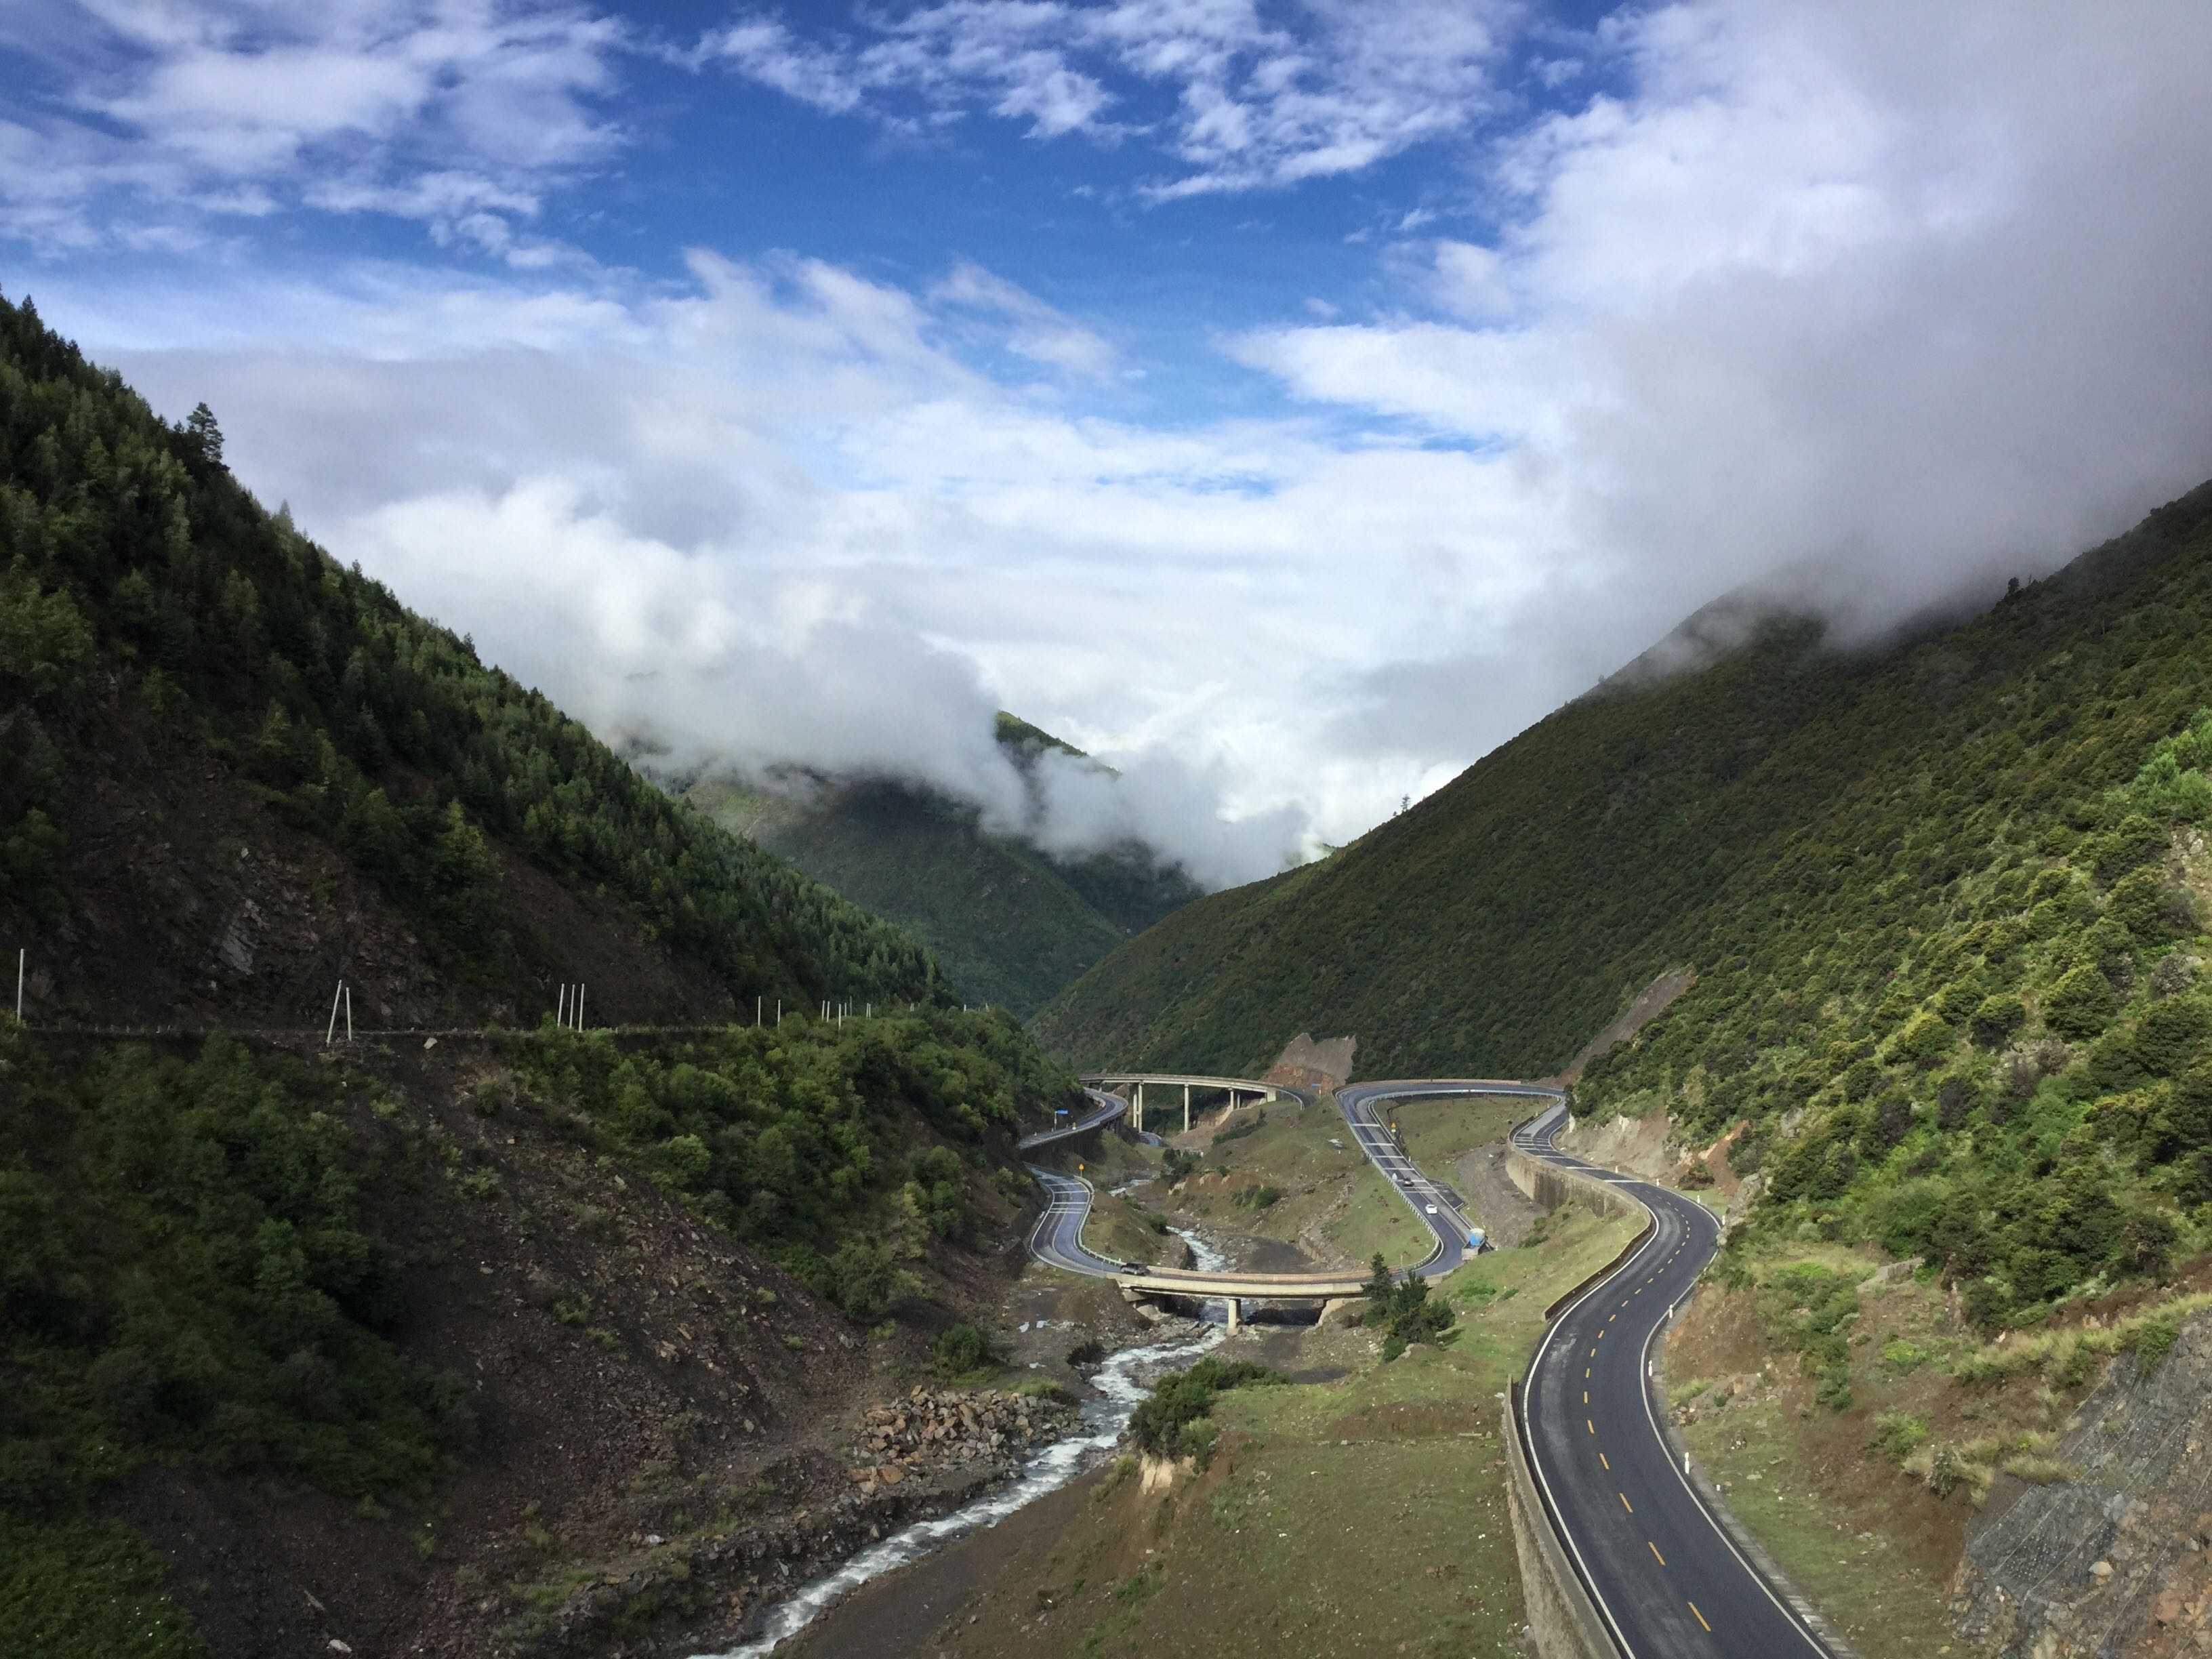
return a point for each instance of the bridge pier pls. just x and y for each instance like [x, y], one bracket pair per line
[1186, 1108]
[1234, 1320]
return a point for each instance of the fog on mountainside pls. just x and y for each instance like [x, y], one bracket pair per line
[858, 703]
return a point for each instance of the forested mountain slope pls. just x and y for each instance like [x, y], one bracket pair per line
[232, 770]
[403, 1346]
[1945, 902]
[1009, 923]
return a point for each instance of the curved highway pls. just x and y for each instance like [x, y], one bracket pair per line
[1669, 1581]
[1451, 1224]
[1666, 1577]
[1057, 1238]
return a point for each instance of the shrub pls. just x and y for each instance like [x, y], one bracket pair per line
[2079, 1004]
[1259, 1198]
[1925, 1039]
[1996, 1017]
[1404, 1304]
[1955, 1099]
[962, 1348]
[1903, 1219]
[1170, 1422]
[1902, 1355]
[2152, 1339]
[2152, 907]
[1898, 1434]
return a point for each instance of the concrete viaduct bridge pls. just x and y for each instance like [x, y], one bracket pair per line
[1059, 1236]
[1133, 1085]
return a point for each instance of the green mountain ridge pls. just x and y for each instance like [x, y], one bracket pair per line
[234, 771]
[1009, 923]
[1945, 902]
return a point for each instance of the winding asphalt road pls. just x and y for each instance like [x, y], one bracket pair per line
[1667, 1578]
[1451, 1223]
[1057, 1238]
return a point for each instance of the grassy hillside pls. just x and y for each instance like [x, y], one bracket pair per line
[232, 769]
[1009, 924]
[1944, 901]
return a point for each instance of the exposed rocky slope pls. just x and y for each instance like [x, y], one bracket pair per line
[2116, 1559]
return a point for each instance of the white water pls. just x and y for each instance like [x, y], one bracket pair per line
[1104, 1418]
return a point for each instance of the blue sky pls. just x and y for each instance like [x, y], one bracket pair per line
[1292, 398]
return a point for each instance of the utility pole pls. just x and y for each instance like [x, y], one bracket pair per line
[779, 1014]
[756, 1013]
[348, 999]
[22, 955]
[579, 1005]
[332, 1030]
[561, 1005]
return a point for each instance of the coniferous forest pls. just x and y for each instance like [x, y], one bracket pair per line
[146, 597]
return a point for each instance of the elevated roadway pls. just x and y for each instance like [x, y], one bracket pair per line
[1235, 1087]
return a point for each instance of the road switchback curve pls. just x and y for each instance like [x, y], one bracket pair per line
[1666, 1577]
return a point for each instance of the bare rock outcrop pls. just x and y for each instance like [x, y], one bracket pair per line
[932, 1430]
[2117, 1562]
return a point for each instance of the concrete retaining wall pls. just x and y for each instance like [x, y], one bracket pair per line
[1562, 1619]
[1550, 1186]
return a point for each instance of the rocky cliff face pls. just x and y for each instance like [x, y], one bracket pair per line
[2113, 1562]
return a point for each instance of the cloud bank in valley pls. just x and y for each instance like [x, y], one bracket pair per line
[1898, 302]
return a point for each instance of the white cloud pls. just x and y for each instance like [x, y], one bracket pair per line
[778, 518]
[1255, 102]
[1470, 281]
[1034, 329]
[1908, 321]
[1788, 294]
[216, 107]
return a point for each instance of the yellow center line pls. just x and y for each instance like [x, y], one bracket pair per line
[1608, 1467]
[1586, 1371]
[1655, 1551]
[1625, 1504]
[1701, 1617]
[1585, 1396]
[1591, 1426]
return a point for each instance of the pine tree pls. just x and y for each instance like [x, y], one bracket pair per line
[204, 434]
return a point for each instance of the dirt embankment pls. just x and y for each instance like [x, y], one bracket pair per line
[1648, 1004]
[1307, 1064]
[195, 900]
[1505, 1212]
[664, 1417]
[1646, 1147]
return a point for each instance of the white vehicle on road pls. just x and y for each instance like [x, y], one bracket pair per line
[1431, 1209]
